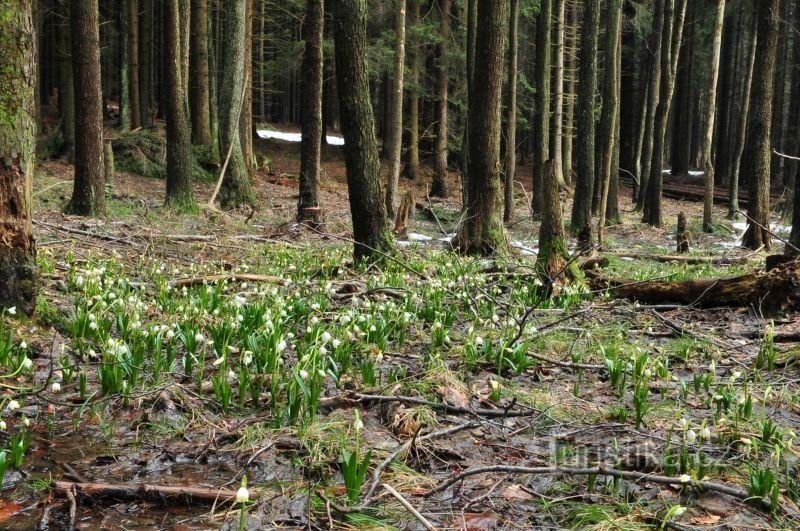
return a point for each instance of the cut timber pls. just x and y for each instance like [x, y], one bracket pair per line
[147, 492]
[768, 291]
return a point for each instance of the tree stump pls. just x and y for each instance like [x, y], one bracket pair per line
[311, 216]
[682, 235]
[404, 213]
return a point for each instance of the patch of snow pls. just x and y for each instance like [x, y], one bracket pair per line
[696, 173]
[296, 137]
[524, 249]
[415, 237]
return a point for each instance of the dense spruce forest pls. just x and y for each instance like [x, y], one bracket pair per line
[399, 264]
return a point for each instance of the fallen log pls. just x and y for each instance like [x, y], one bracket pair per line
[684, 259]
[146, 492]
[768, 291]
[213, 279]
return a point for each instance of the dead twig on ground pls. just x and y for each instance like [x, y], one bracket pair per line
[213, 279]
[424, 521]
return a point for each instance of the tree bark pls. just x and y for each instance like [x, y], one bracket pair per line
[481, 231]
[133, 63]
[124, 71]
[558, 91]
[146, 65]
[439, 184]
[541, 125]
[584, 182]
[759, 134]
[711, 105]
[310, 149]
[236, 187]
[66, 92]
[396, 132]
[179, 147]
[246, 115]
[511, 112]
[18, 283]
[200, 93]
[371, 233]
[88, 193]
[411, 168]
[472, 29]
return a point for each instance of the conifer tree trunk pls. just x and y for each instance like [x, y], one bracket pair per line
[310, 149]
[179, 147]
[759, 134]
[411, 167]
[511, 112]
[541, 126]
[371, 233]
[246, 115]
[439, 184]
[481, 231]
[585, 163]
[17, 155]
[88, 193]
[472, 28]
[684, 115]
[66, 92]
[133, 62]
[236, 188]
[568, 131]
[396, 132]
[558, 91]
[711, 105]
[124, 72]
[200, 96]
[741, 135]
[146, 64]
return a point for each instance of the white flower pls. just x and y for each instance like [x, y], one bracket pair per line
[170, 334]
[242, 495]
[2, 425]
[680, 510]
[336, 343]
[26, 421]
[56, 387]
[247, 358]
[495, 385]
[199, 338]
[12, 310]
[281, 345]
[479, 341]
[219, 361]
[326, 337]
[683, 423]
[685, 478]
[691, 436]
[231, 375]
[12, 405]
[27, 363]
[303, 374]
[705, 433]
[23, 345]
[358, 425]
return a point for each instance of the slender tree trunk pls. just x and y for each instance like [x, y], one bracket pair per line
[570, 74]
[511, 112]
[711, 105]
[684, 115]
[146, 65]
[653, 96]
[66, 92]
[396, 132]
[541, 125]
[741, 135]
[411, 168]
[124, 71]
[610, 112]
[236, 187]
[481, 231]
[179, 146]
[246, 115]
[370, 225]
[88, 193]
[439, 185]
[671, 40]
[133, 62]
[584, 182]
[472, 28]
[759, 135]
[558, 89]
[310, 149]
[213, 91]
[18, 283]
[200, 99]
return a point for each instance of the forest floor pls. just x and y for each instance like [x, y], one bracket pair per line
[189, 350]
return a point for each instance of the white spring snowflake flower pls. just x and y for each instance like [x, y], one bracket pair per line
[12, 405]
[242, 495]
[326, 337]
[303, 374]
[27, 363]
[55, 387]
[685, 478]
[12, 310]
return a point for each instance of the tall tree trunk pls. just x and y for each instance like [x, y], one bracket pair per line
[310, 149]
[511, 112]
[759, 135]
[558, 90]
[18, 284]
[711, 105]
[200, 99]
[236, 187]
[133, 62]
[653, 96]
[439, 185]
[684, 115]
[66, 92]
[146, 64]
[124, 71]
[246, 116]
[741, 134]
[541, 125]
[88, 193]
[571, 75]
[472, 28]
[213, 90]
[671, 40]
[370, 225]
[608, 119]
[481, 231]
[179, 146]
[411, 168]
[396, 132]
[584, 182]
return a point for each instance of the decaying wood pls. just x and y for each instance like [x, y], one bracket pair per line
[404, 213]
[213, 279]
[146, 492]
[713, 260]
[768, 291]
[682, 236]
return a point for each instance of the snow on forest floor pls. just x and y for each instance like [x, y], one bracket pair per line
[267, 134]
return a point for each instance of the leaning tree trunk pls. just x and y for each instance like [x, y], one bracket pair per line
[759, 137]
[200, 100]
[371, 233]
[396, 132]
[541, 126]
[511, 113]
[17, 155]
[311, 147]
[585, 166]
[411, 168]
[481, 231]
[439, 184]
[179, 145]
[236, 188]
[711, 104]
[88, 194]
